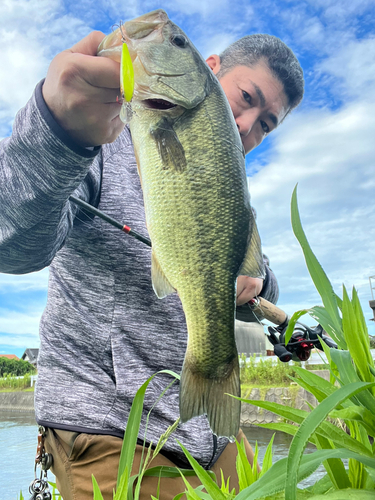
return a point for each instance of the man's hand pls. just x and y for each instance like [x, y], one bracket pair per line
[247, 288]
[81, 92]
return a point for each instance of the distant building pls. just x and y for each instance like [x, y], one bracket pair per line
[31, 355]
[9, 356]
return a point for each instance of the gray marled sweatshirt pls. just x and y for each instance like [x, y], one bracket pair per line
[103, 331]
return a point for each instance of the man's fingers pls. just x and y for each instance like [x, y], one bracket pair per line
[88, 45]
[100, 72]
[97, 71]
[247, 288]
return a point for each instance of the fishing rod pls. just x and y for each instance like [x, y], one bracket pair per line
[303, 339]
[123, 227]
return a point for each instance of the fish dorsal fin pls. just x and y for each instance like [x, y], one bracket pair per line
[170, 148]
[160, 284]
[253, 264]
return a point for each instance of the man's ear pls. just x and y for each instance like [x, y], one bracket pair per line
[214, 63]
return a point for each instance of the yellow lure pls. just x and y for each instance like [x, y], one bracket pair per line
[126, 74]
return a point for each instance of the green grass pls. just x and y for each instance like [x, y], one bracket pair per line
[10, 383]
[28, 389]
[266, 372]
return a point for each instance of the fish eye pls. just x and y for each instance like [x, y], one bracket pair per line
[179, 41]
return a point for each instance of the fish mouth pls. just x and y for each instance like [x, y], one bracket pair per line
[158, 104]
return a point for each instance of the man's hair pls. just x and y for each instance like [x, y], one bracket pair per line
[283, 64]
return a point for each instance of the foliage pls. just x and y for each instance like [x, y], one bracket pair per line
[270, 371]
[15, 383]
[15, 367]
[352, 401]
[128, 487]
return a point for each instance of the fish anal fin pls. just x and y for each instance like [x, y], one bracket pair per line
[253, 264]
[201, 395]
[171, 150]
[160, 284]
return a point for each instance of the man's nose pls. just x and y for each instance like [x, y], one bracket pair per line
[245, 124]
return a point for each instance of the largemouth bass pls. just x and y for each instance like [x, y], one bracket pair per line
[192, 170]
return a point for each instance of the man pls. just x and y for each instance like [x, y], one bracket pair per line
[104, 332]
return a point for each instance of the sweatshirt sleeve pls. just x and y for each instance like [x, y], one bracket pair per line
[270, 292]
[40, 167]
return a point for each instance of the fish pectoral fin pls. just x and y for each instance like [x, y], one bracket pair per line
[170, 148]
[201, 395]
[253, 264]
[160, 284]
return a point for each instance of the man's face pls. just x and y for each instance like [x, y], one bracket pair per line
[257, 99]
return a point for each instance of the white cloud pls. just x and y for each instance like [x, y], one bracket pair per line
[20, 323]
[20, 341]
[354, 67]
[32, 32]
[24, 283]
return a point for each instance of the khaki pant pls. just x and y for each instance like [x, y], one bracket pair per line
[76, 457]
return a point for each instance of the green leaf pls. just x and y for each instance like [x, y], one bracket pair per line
[281, 427]
[334, 466]
[267, 459]
[322, 486]
[287, 412]
[121, 493]
[348, 375]
[347, 494]
[292, 323]
[362, 326]
[309, 425]
[97, 493]
[322, 316]
[192, 495]
[358, 345]
[255, 461]
[180, 495]
[318, 386]
[317, 274]
[359, 414]
[210, 485]
[243, 467]
[132, 427]
[273, 480]
[165, 471]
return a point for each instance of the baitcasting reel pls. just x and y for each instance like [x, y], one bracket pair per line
[303, 339]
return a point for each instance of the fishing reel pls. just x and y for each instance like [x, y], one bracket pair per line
[303, 339]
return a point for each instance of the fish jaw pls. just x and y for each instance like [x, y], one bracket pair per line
[167, 67]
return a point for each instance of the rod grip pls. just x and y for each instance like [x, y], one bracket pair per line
[268, 310]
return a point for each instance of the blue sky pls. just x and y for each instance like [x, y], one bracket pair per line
[326, 146]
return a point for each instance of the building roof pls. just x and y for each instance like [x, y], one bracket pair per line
[31, 354]
[9, 356]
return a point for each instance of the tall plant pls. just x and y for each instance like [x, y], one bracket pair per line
[348, 396]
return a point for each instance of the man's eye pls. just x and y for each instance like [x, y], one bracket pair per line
[247, 97]
[265, 127]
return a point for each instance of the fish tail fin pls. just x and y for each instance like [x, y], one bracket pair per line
[200, 395]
